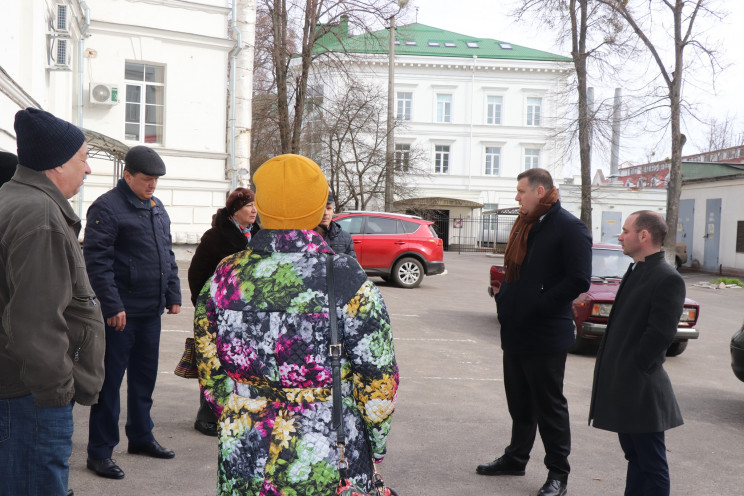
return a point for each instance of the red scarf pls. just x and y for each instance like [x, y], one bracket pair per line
[516, 248]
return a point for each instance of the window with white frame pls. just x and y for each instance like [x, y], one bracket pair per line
[402, 156]
[493, 109]
[404, 101]
[441, 159]
[533, 111]
[444, 107]
[493, 161]
[531, 158]
[145, 102]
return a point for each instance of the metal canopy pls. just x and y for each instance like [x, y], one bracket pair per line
[437, 202]
[105, 147]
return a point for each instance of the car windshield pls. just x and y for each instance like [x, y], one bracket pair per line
[609, 263]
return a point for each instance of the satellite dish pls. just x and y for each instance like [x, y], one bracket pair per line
[101, 93]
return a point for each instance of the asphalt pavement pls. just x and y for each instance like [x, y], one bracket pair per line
[451, 414]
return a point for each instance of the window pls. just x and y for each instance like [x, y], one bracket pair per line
[381, 225]
[352, 225]
[493, 110]
[402, 156]
[531, 158]
[472, 44]
[740, 236]
[145, 102]
[533, 111]
[411, 43]
[444, 107]
[505, 46]
[493, 160]
[404, 103]
[450, 44]
[433, 43]
[441, 159]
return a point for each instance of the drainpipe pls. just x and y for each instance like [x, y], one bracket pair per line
[81, 48]
[233, 62]
[470, 143]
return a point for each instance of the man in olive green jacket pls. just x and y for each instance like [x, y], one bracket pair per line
[52, 337]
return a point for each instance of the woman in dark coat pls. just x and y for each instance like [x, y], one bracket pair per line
[232, 228]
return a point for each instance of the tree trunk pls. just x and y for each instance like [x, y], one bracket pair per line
[578, 36]
[674, 183]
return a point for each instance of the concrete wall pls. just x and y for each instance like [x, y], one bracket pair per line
[731, 193]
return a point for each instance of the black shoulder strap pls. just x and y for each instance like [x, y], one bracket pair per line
[335, 351]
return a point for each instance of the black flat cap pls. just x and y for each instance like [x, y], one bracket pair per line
[145, 160]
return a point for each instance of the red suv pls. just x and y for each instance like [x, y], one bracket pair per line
[397, 247]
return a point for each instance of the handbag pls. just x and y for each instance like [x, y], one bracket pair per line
[345, 485]
[186, 367]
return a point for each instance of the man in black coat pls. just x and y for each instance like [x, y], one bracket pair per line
[548, 264]
[632, 394]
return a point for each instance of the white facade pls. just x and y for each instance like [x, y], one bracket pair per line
[717, 221]
[467, 84]
[180, 105]
[611, 205]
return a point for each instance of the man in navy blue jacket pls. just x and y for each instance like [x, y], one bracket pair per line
[548, 263]
[132, 268]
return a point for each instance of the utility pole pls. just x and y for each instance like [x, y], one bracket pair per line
[390, 143]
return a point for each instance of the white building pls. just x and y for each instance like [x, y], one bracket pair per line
[482, 110]
[131, 72]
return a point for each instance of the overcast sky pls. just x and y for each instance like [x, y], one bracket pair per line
[490, 19]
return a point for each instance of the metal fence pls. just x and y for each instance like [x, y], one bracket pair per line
[488, 233]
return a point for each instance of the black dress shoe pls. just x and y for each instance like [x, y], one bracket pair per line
[500, 466]
[152, 449]
[553, 487]
[206, 428]
[105, 468]
[70, 492]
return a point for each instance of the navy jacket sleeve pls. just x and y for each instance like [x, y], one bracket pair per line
[173, 289]
[101, 231]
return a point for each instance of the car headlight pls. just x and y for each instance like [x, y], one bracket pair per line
[601, 310]
[689, 314]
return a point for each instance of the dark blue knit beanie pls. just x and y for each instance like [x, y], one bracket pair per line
[44, 141]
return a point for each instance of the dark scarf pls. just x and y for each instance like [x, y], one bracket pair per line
[516, 248]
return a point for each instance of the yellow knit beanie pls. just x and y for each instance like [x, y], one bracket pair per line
[291, 193]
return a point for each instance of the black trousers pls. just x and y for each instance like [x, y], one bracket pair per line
[648, 470]
[134, 351]
[534, 394]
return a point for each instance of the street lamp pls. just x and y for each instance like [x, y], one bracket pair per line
[390, 143]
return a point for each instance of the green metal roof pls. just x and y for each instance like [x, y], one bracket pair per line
[709, 170]
[422, 40]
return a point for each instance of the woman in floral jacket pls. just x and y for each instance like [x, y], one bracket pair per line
[263, 338]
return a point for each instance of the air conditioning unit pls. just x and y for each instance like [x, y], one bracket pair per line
[103, 94]
[61, 22]
[59, 56]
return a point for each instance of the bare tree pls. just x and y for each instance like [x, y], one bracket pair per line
[294, 42]
[640, 15]
[723, 133]
[346, 134]
[585, 23]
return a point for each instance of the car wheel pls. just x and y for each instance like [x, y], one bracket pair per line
[408, 273]
[676, 348]
[581, 345]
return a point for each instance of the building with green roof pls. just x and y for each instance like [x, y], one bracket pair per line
[477, 111]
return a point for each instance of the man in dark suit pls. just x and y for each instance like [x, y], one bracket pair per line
[548, 264]
[632, 394]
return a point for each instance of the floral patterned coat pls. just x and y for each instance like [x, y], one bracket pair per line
[262, 338]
